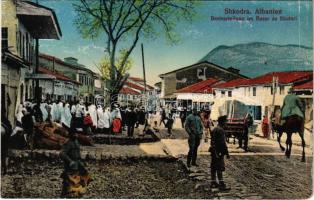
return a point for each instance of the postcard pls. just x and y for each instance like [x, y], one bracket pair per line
[156, 99]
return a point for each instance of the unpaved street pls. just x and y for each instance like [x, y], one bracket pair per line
[263, 172]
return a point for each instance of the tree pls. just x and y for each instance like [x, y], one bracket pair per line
[125, 21]
[104, 65]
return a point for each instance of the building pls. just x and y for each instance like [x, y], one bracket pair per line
[183, 77]
[56, 86]
[22, 24]
[262, 92]
[196, 95]
[133, 93]
[70, 68]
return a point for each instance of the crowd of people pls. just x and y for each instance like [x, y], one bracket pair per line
[85, 117]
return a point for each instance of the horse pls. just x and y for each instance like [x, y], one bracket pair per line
[292, 124]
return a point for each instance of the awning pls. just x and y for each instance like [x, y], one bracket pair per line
[13, 60]
[39, 20]
[170, 96]
[195, 97]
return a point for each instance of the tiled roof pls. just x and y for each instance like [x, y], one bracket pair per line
[141, 81]
[200, 63]
[58, 60]
[232, 83]
[136, 79]
[306, 85]
[200, 87]
[126, 90]
[135, 86]
[56, 74]
[283, 77]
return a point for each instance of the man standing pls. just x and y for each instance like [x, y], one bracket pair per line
[183, 114]
[218, 150]
[130, 122]
[193, 126]
[28, 126]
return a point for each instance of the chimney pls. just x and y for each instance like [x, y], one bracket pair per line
[234, 70]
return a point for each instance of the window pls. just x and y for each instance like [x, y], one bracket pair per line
[4, 38]
[229, 93]
[20, 43]
[201, 73]
[271, 90]
[222, 93]
[27, 48]
[254, 91]
[23, 47]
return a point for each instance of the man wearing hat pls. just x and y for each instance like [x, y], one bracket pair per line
[193, 126]
[218, 150]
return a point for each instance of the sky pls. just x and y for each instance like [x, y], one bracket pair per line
[197, 38]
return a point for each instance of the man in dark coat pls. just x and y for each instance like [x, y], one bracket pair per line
[244, 137]
[163, 116]
[183, 115]
[37, 112]
[218, 150]
[28, 126]
[131, 119]
[123, 117]
[193, 126]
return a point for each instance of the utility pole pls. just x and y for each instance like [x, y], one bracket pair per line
[144, 75]
[272, 108]
[37, 93]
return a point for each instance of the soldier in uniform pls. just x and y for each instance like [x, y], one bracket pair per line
[193, 126]
[218, 150]
[75, 176]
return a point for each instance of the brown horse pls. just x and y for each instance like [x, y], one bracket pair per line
[293, 124]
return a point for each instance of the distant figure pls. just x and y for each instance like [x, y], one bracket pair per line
[169, 123]
[183, 115]
[265, 126]
[88, 124]
[205, 116]
[244, 138]
[218, 149]
[163, 116]
[193, 126]
[131, 119]
[116, 120]
[28, 127]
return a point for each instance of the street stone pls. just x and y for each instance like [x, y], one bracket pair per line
[196, 174]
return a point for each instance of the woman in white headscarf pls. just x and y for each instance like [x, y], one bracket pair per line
[44, 111]
[60, 110]
[93, 114]
[66, 116]
[54, 112]
[107, 120]
[100, 122]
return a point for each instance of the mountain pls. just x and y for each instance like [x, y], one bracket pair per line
[254, 59]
